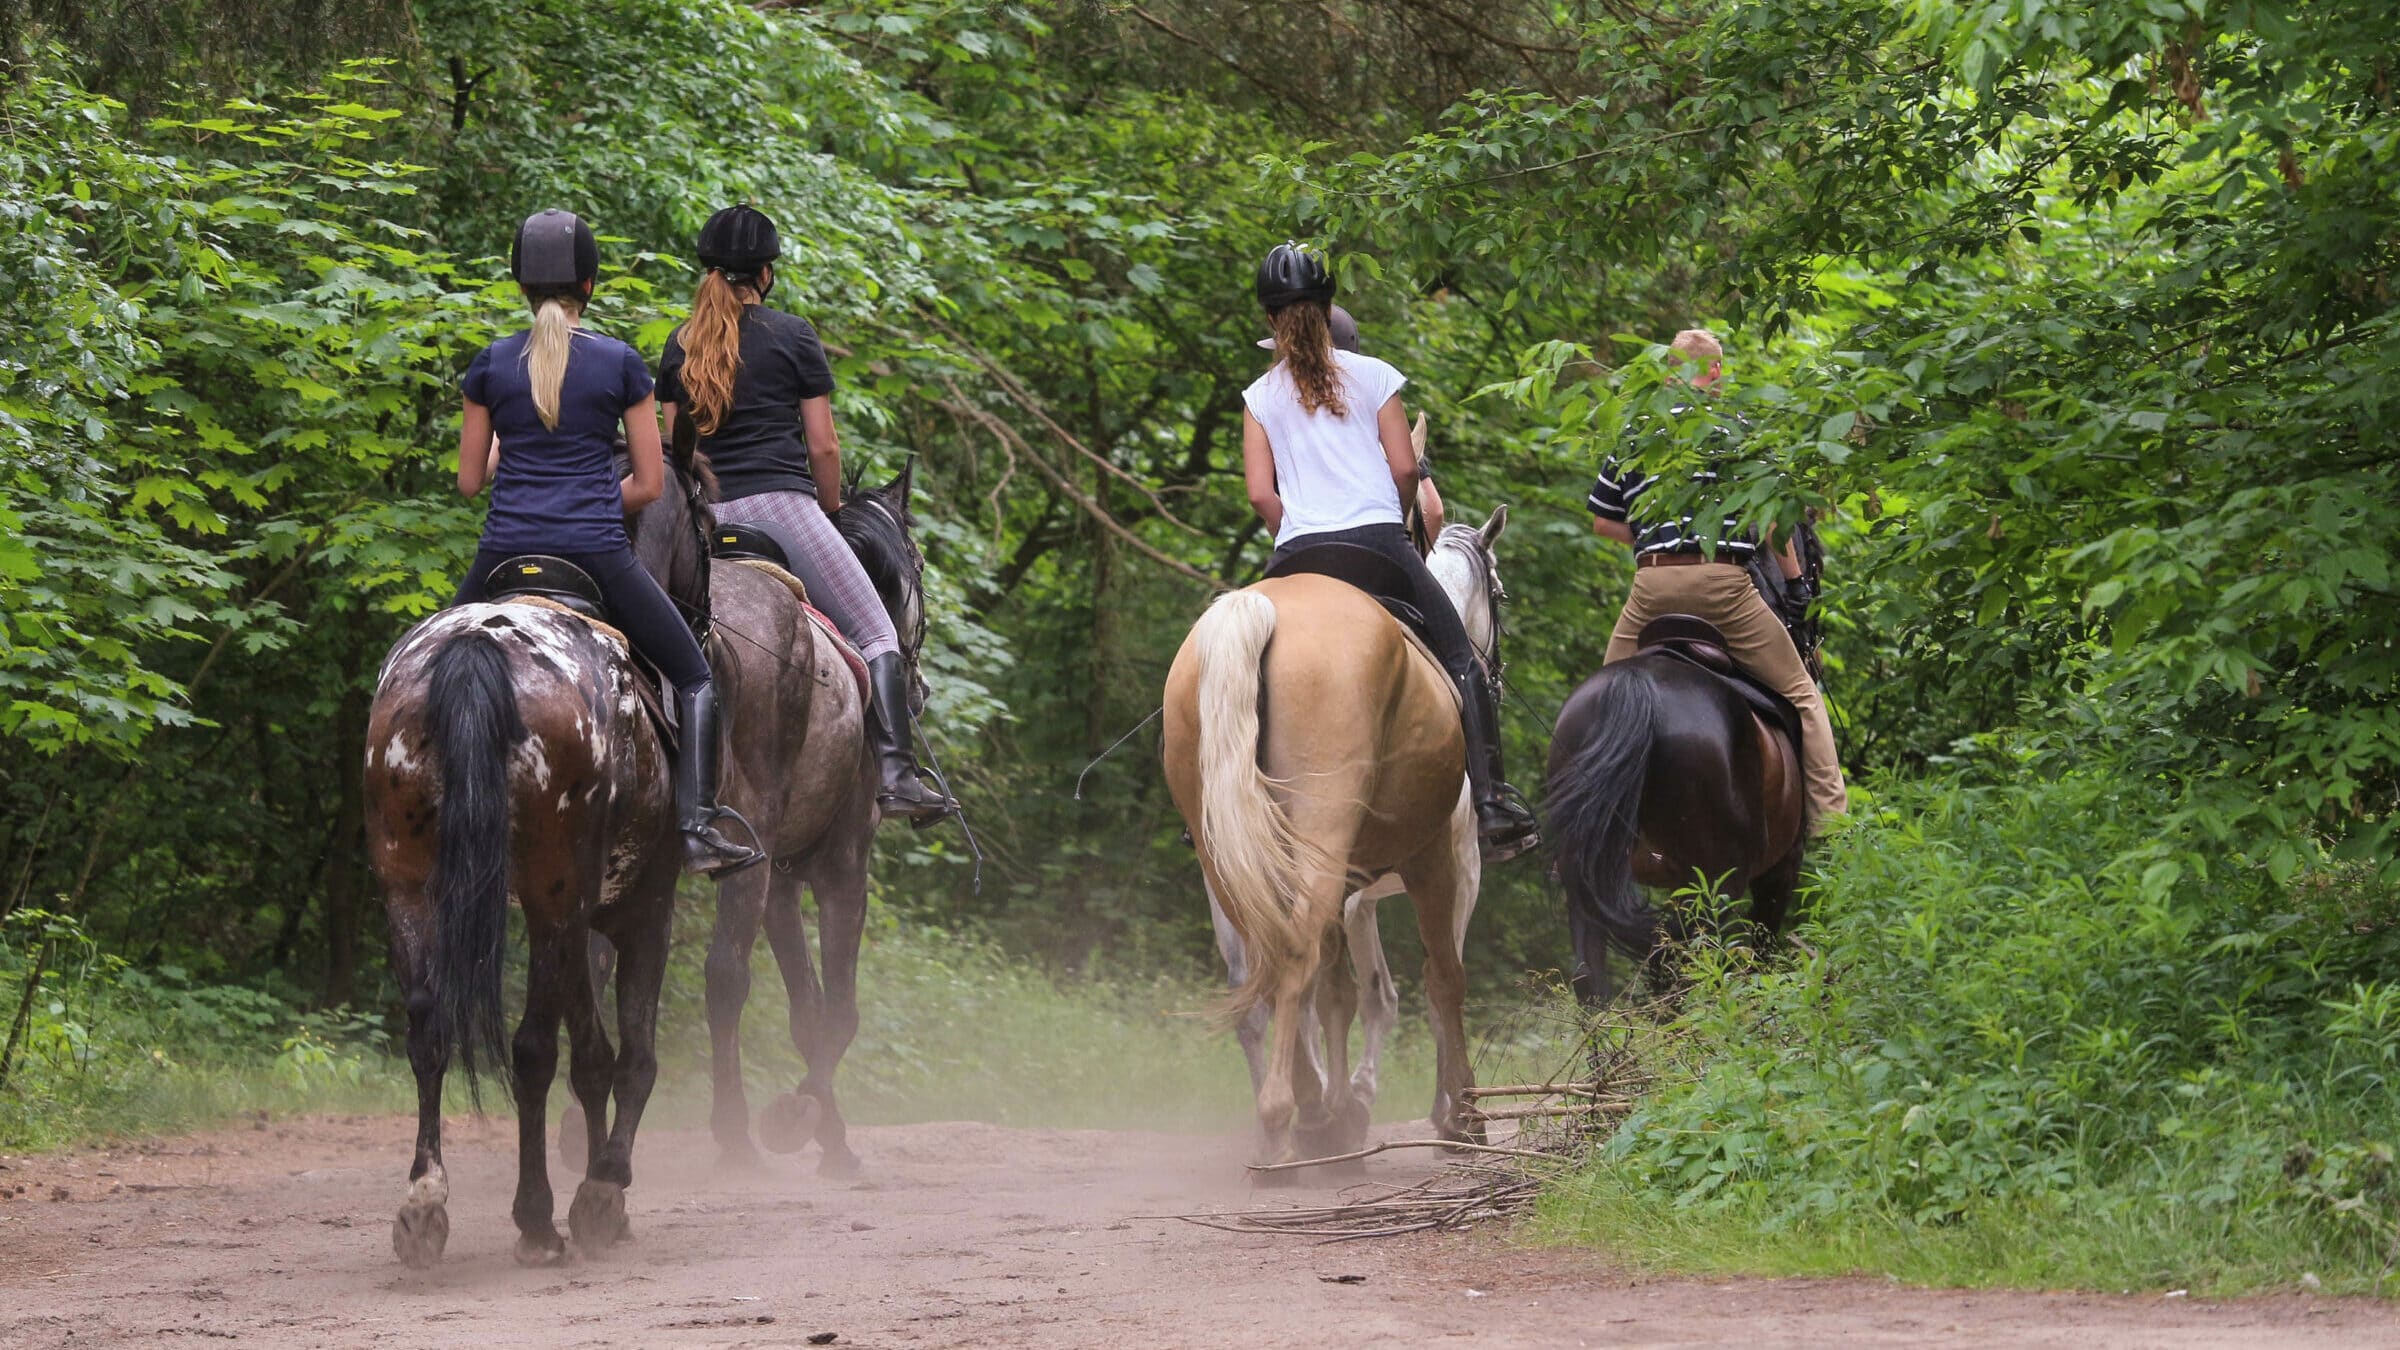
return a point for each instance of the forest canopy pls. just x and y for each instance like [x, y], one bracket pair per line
[2073, 325]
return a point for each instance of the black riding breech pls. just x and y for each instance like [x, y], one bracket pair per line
[1444, 632]
[637, 605]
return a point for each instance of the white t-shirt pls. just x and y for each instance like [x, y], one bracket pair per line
[1330, 471]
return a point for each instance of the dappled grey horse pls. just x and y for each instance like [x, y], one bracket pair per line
[1360, 988]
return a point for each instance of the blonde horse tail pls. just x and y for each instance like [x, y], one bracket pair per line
[1257, 856]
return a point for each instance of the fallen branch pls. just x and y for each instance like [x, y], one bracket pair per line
[1410, 1143]
[1607, 1108]
[1533, 1090]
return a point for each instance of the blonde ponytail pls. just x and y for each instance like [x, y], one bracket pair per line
[546, 353]
[712, 351]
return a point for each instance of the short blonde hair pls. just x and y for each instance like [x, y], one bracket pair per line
[1698, 344]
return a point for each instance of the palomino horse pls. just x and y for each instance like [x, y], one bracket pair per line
[1305, 769]
[1464, 562]
[509, 755]
[1663, 774]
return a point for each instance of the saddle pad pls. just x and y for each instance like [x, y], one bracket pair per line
[799, 591]
[850, 656]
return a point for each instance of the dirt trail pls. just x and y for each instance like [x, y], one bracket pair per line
[962, 1235]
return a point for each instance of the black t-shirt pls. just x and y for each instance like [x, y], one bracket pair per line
[759, 446]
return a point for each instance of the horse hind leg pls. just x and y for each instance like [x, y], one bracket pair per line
[421, 1229]
[597, 1217]
[841, 892]
[534, 1064]
[1336, 1005]
[1251, 1031]
[741, 898]
[1435, 888]
[1379, 1013]
[580, 1129]
[790, 1122]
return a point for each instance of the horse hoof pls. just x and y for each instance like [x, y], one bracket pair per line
[840, 1164]
[597, 1218]
[790, 1122]
[545, 1249]
[1274, 1181]
[419, 1233]
[574, 1141]
[741, 1157]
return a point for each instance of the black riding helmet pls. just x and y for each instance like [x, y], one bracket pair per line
[554, 248]
[1292, 274]
[739, 240]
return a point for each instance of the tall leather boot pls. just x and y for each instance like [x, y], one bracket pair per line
[704, 850]
[905, 791]
[1504, 825]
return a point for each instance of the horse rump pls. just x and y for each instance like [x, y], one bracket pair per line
[475, 726]
[1598, 768]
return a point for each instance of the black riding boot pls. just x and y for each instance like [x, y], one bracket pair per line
[905, 791]
[1503, 823]
[704, 850]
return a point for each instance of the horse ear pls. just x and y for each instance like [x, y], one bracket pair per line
[1416, 437]
[902, 486]
[1492, 528]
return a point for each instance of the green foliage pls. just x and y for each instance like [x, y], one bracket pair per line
[2023, 1003]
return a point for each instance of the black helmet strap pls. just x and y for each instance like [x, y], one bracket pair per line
[757, 278]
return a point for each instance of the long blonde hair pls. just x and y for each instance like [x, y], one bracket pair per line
[712, 350]
[555, 309]
[1304, 340]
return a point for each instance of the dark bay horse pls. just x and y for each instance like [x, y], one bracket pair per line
[509, 755]
[1662, 775]
[799, 770]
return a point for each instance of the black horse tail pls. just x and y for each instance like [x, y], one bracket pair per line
[476, 726]
[1595, 804]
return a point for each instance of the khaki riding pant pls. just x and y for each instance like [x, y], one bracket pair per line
[1722, 594]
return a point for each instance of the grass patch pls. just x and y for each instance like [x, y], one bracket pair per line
[2029, 1042]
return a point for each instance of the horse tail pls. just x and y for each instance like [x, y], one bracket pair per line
[1258, 857]
[1595, 805]
[476, 725]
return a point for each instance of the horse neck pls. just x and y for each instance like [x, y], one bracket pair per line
[1460, 573]
[666, 541]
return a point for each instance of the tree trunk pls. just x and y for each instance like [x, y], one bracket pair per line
[345, 870]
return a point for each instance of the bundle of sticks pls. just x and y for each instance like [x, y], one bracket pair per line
[1469, 1192]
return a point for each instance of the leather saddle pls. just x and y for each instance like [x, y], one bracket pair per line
[736, 542]
[1386, 581]
[550, 578]
[1697, 642]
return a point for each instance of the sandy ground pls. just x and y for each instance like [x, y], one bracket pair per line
[962, 1234]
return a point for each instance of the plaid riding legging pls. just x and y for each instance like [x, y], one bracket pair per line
[823, 562]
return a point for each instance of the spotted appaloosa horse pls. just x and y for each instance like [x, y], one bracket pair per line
[1464, 562]
[509, 755]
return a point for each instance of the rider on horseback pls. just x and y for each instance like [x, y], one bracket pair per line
[1676, 574]
[756, 383]
[554, 397]
[1328, 460]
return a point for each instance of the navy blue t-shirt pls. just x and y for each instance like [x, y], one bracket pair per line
[557, 487]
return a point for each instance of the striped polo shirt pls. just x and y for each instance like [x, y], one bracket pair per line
[1616, 495]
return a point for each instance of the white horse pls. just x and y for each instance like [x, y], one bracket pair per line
[1464, 563]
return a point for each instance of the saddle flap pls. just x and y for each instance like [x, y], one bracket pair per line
[733, 540]
[549, 577]
[1381, 578]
